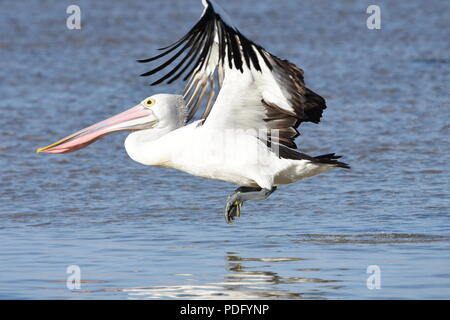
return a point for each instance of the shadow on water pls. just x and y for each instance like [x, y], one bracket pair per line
[365, 238]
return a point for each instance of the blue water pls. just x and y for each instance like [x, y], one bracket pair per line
[139, 232]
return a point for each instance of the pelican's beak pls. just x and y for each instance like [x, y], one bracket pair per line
[136, 118]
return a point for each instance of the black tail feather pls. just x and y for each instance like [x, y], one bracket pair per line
[331, 158]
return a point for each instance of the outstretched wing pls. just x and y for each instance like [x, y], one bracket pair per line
[257, 90]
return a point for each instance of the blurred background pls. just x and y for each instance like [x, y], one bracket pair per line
[139, 232]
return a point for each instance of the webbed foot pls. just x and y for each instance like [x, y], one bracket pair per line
[232, 208]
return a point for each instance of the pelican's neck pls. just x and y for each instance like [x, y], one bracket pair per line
[144, 146]
[147, 146]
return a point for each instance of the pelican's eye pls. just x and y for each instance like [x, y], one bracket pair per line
[149, 102]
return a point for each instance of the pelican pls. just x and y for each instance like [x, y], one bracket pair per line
[236, 120]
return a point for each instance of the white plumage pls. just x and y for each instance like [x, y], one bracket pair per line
[215, 153]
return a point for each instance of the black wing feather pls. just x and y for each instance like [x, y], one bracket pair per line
[230, 39]
[236, 50]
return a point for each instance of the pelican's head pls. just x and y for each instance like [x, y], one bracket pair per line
[158, 111]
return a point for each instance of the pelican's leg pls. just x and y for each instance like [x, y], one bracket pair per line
[241, 194]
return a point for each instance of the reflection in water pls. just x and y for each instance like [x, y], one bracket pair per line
[241, 282]
[259, 278]
[265, 277]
